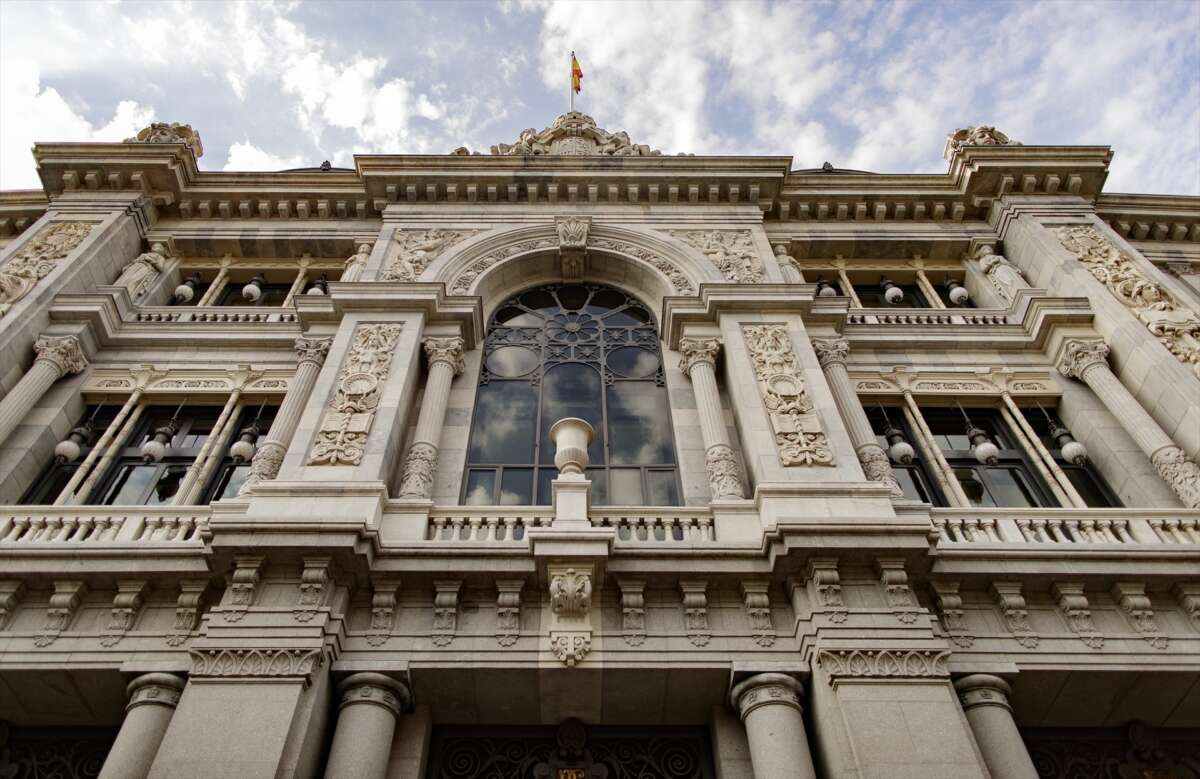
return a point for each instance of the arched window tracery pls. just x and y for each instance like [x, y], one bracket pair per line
[563, 350]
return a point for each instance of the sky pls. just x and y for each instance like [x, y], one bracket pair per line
[867, 85]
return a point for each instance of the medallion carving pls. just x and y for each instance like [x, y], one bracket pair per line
[798, 433]
[37, 258]
[417, 249]
[346, 423]
[731, 251]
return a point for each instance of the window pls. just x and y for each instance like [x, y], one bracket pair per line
[1009, 483]
[872, 296]
[571, 350]
[913, 476]
[54, 478]
[1083, 476]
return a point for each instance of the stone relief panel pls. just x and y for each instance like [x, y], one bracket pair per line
[798, 433]
[731, 251]
[1176, 327]
[883, 663]
[347, 420]
[37, 259]
[417, 249]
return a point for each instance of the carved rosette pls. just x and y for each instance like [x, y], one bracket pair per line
[37, 258]
[570, 647]
[883, 663]
[731, 251]
[798, 433]
[419, 467]
[724, 474]
[1078, 356]
[1176, 327]
[1181, 473]
[417, 249]
[346, 423]
[64, 353]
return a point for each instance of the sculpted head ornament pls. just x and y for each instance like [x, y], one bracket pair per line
[984, 135]
[174, 132]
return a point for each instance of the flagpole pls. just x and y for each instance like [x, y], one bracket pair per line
[571, 79]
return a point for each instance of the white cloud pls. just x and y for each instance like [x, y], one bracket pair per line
[245, 156]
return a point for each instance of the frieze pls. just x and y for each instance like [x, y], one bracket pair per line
[256, 662]
[417, 249]
[883, 663]
[731, 251]
[347, 420]
[465, 278]
[37, 258]
[674, 274]
[798, 433]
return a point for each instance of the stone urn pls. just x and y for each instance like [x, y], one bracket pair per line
[571, 437]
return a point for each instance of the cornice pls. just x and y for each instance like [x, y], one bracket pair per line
[712, 300]
[1171, 218]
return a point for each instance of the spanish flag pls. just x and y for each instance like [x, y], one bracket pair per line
[576, 75]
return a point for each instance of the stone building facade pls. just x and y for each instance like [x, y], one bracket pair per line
[577, 460]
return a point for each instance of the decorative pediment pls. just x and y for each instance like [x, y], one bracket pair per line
[572, 134]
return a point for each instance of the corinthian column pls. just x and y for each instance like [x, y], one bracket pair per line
[152, 701]
[1087, 360]
[362, 741]
[265, 465]
[699, 363]
[770, 707]
[445, 362]
[985, 700]
[56, 357]
[831, 353]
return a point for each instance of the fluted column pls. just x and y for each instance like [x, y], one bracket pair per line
[985, 700]
[769, 704]
[269, 457]
[362, 740]
[1087, 360]
[56, 357]
[699, 363]
[152, 701]
[445, 362]
[831, 353]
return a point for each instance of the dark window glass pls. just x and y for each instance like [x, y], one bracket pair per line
[914, 478]
[1085, 478]
[272, 295]
[872, 296]
[50, 484]
[572, 350]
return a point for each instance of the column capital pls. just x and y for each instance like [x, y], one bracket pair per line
[766, 689]
[312, 350]
[376, 689]
[1077, 356]
[983, 690]
[831, 351]
[63, 352]
[447, 350]
[158, 689]
[696, 351]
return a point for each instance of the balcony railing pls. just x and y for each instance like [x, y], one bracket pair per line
[1067, 526]
[925, 316]
[637, 525]
[27, 526]
[215, 314]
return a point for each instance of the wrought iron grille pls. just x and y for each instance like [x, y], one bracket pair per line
[579, 350]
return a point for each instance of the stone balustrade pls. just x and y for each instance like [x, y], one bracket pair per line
[637, 525]
[491, 524]
[925, 316]
[663, 525]
[221, 314]
[1067, 526]
[87, 525]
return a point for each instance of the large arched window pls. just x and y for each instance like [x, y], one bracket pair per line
[571, 350]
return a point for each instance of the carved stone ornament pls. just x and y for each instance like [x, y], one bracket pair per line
[37, 258]
[342, 436]
[140, 273]
[356, 263]
[1075, 608]
[723, 472]
[798, 433]
[831, 351]
[896, 592]
[1132, 598]
[633, 611]
[11, 591]
[417, 249]
[950, 612]
[825, 589]
[877, 467]
[445, 611]
[61, 610]
[765, 689]
[465, 279]
[1079, 356]
[984, 135]
[1188, 596]
[756, 598]
[677, 277]
[243, 587]
[127, 604]
[731, 251]
[1175, 326]
[1004, 277]
[1181, 473]
[572, 134]
[1012, 610]
[883, 664]
[384, 597]
[695, 611]
[187, 610]
[570, 647]
[315, 586]
[419, 467]
[63, 352]
[698, 351]
[572, 231]
[269, 663]
[570, 608]
[173, 132]
[312, 350]
[571, 593]
[508, 611]
[268, 459]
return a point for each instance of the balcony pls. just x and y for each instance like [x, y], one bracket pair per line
[1067, 527]
[102, 527]
[637, 525]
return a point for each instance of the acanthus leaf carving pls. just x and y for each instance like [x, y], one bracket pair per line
[883, 663]
[445, 611]
[261, 663]
[723, 472]
[1180, 472]
[633, 610]
[243, 586]
[508, 610]
[417, 249]
[466, 278]
[756, 599]
[37, 258]
[677, 277]
[1012, 609]
[950, 610]
[825, 589]
[1075, 608]
[347, 420]
[64, 603]
[571, 134]
[64, 352]
[384, 599]
[695, 611]
[127, 603]
[896, 591]
[877, 467]
[571, 593]
[315, 585]
[731, 251]
[798, 433]
[1132, 598]
[570, 647]
[419, 467]
[188, 607]
[1175, 326]
[570, 609]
